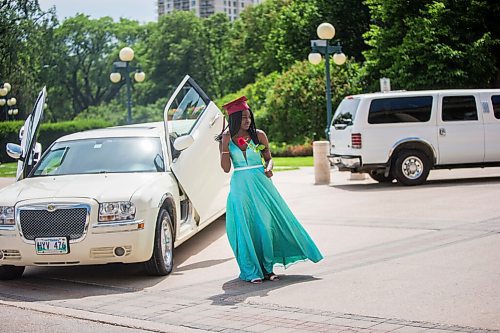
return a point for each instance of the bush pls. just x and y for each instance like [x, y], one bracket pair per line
[296, 103]
[48, 133]
[285, 150]
[291, 106]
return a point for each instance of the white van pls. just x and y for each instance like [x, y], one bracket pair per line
[402, 135]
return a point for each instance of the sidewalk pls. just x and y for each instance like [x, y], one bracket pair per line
[184, 311]
[389, 267]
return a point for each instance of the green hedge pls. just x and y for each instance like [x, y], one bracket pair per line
[48, 133]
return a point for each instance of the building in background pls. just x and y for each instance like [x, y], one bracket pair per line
[205, 8]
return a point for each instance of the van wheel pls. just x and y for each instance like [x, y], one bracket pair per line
[162, 259]
[9, 272]
[380, 177]
[412, 167]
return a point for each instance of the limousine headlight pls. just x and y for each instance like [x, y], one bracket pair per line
[6, 215]
[116, 211]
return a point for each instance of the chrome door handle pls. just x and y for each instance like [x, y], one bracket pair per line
[212, 122]
[442, 131]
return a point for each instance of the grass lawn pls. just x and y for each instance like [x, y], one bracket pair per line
[8, 169]
[301, 161]
[280, 164]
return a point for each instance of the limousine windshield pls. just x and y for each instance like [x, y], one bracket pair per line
[103, 155]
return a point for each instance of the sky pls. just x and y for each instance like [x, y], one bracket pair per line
[140, 10]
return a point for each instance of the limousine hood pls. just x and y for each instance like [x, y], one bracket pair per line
[101, 187]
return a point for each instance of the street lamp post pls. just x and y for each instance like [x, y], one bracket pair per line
[7, 101]
[326, 32]
[123, 66]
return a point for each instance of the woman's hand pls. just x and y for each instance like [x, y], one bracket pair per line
[269, 168]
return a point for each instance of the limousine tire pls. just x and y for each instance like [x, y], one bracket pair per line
[411, 167]
[9, 272]
[380, 177]
[162, 259]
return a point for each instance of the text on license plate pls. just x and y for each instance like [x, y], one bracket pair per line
[51, 245]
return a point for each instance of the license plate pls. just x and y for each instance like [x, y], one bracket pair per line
[52, 245]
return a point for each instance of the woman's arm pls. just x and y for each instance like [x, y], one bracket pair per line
[266, 153]
[225, 159]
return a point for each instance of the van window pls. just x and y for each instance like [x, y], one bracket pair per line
[459, 108]
[346, 112]
[495, 100]
[400, 110]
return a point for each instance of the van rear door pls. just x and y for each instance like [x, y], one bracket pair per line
[341, 126]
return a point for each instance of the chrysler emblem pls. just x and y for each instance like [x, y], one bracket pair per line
[51, 208]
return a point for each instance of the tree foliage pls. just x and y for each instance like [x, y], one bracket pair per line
[417, 44]
[26, 38]
[434, 44]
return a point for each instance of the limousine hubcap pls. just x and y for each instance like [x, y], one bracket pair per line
[412, 167]
[166, 241]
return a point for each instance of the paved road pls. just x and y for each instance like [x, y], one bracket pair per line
[398, 259]
[14, 319]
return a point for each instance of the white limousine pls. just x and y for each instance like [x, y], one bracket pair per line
[125, 194]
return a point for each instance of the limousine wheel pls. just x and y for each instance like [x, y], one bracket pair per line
[9, 272]
[411, 167]
[380, 177]
[162, 260]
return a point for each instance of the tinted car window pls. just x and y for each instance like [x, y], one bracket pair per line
[495, 100]
[459, 108]
[104, 155]
[400, 110]
[346, 112]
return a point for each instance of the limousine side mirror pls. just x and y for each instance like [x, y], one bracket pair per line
[14, 150]
[183, 142]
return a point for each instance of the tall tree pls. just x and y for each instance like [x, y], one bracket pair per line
[434, 44]
[216, 31]
[175, 48]
[25, 42]
[290, 35]
[351, 20]
[82, 61]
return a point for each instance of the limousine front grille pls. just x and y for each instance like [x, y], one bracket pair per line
[53, 221]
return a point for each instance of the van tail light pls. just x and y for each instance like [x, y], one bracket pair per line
[356, 140]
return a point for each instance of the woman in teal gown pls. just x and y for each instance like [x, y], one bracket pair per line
[261, 229]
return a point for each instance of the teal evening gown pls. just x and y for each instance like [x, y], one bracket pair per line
[261, 229]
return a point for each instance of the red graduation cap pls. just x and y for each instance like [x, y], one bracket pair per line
[238, 104]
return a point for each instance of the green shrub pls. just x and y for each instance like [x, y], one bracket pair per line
[286, 150]
[291, 106]
[48, 133]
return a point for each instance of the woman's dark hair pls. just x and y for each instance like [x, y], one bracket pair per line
[235, 123]
[234, 127]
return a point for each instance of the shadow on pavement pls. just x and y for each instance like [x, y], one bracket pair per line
[202, 264]
[200, 242]
[237, 291]
[433, 183]
[57, 283]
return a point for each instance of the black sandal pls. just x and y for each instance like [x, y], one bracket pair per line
[256, 281]
[272, 277]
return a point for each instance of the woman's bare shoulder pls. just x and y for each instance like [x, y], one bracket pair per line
[260, 132]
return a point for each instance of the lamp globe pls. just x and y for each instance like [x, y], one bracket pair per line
[325, 31]
[126, 54]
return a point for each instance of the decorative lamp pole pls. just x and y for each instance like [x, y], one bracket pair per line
[7, 101]
[123, 66]
[326, 32]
